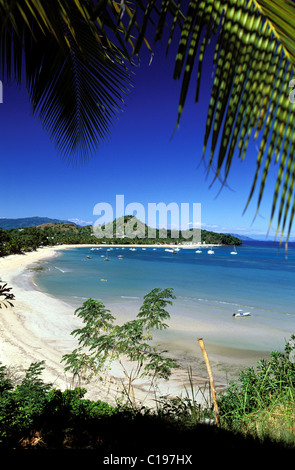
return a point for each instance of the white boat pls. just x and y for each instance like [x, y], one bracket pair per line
[242, 314]
[199, 251]
[210, 252]
[168, 249]
[234, 252]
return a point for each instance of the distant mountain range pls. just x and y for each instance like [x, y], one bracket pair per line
[241, 237]
[28, 222]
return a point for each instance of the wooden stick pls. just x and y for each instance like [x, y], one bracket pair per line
[202, 346]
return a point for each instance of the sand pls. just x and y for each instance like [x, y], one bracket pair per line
[38, 326]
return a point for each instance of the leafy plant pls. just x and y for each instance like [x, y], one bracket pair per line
[102, 342]
[5, 295]
[269, 385]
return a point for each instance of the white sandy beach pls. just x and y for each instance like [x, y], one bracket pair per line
[38, 328]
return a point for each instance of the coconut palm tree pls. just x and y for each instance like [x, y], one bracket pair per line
[77, 58]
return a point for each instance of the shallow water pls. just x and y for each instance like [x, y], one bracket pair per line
[208, 290]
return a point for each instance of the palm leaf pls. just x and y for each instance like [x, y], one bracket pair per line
[254, 61]
[76, 77]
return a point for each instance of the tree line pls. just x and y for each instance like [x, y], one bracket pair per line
[20, 240]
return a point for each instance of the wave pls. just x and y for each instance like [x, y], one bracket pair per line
[79, 297]
[63, 270]
[129, 297]
[216, 301]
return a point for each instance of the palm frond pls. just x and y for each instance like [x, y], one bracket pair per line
[76, 77]
[254, 61]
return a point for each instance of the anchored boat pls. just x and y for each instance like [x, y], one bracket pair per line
[241, 314]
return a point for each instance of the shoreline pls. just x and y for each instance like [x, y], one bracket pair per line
[38, 328]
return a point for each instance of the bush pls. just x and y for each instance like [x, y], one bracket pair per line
[260, 392]
[33, 405]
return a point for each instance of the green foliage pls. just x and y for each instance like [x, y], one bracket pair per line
[102, 342]
[21, 404]
[271, 383]
[32, 404]
[5, 295]
[20, 240]
[71, 403]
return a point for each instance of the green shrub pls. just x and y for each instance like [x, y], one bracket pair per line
[263, 390]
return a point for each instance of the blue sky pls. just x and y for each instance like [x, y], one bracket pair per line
[140, 161]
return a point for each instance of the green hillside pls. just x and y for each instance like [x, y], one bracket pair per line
[26, 222]
[22, 239]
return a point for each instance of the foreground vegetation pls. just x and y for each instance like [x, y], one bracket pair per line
[256, 412]
[34, 415]
[19, 240]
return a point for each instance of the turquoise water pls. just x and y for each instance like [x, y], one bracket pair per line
[208, 289]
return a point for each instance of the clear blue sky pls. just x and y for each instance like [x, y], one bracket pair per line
[140, 161]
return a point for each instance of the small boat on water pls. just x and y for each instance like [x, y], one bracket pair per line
[88, 257]
[199, 251]
[210, 252]
[234, 252]
[242, 314]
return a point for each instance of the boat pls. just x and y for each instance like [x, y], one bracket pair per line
[242, 314]
[88, 257]
[199, 251]
[234, 252]
[104, 280]
[168, 249]
[210, 252]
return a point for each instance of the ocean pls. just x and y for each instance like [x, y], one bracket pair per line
[209, 289]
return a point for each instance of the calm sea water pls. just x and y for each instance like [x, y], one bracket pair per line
[208, 289]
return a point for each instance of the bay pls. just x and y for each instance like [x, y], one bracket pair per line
[209, 289]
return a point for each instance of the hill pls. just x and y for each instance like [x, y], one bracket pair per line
[127, 225]
[49, 233]
[241, 237]
[27, 222]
